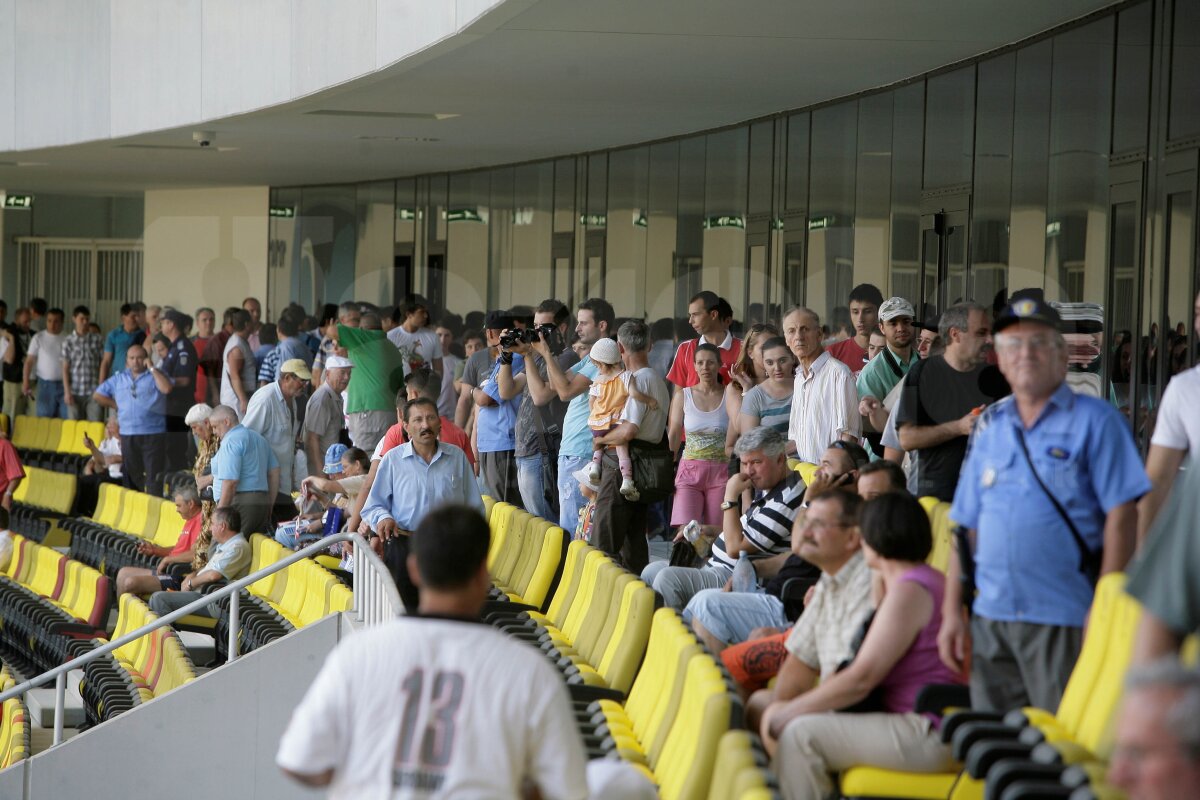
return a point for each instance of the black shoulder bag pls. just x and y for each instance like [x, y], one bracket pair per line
[1089, 561]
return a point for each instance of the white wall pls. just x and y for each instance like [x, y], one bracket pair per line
[205, 247]
[81, 70]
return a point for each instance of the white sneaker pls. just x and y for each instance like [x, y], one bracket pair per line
[593, 472]
[628, 490]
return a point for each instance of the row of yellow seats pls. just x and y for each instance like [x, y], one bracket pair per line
[525, 553]
[157, 661]
[55, 435]
[1080, 729]
[76, 588]
[14, 731]
[672, 721]
[138, 514]
[43, 488]
[740, 771]
[303, 592]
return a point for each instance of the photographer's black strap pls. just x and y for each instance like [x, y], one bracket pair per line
[1087, 558]
[891, 362]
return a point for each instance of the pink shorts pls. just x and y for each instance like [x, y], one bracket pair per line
[699, 490]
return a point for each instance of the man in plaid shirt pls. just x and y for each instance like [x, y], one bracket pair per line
[81, 355]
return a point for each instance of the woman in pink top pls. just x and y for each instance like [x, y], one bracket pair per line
[898, 656]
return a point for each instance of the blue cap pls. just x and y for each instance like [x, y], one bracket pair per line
[333, 458]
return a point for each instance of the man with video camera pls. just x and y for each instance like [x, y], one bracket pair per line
[540, 416]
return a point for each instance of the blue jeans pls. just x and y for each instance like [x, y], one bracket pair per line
[50, 402]
[529, 481]
[731, 616]
[570, 498]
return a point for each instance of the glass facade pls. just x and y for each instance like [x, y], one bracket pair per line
[1059, 165]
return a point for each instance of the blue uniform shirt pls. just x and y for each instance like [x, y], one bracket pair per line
[141, 407]
[406, 487]
[496, 425]
[1027, 561]
[244, 456]
[181, 362]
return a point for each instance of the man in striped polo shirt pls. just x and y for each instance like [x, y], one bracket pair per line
[764, 532]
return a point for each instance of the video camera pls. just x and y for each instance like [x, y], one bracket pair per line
[516, 336]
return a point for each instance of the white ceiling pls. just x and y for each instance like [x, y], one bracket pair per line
[562, 77]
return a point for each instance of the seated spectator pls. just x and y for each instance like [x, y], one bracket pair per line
[698, 412]
[899, 656]
[764, 531]
[11, 473]
[6, 542]
[326, 496]
[228, 560]
[173, 561]
[245, 473]
[103, 467]
[1157, 751]
[721, 618]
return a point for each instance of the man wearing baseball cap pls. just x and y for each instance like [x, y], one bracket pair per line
[324, 417]
[272, 414]
[180, 366]
[881, 374]
[1048, 492]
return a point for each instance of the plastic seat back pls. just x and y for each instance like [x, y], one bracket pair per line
[512, 550]
[655, 694]
[499, 521]
[943, 533]
[807, 471]
[489, 503]
[154, 510]
[541, 576]
[594, 638]
[169, 527]
[684, 767]
[66, 436]
[568, 584]
[24, 428]
[1095, 730]
[108, 507]
[297, 586]
[627, 646]
[586, 596]
[1088, 667]
[48, 568]
[40, 434]
[734, 754]
[134, 511]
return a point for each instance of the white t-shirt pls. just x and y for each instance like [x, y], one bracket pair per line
[48, 349]
[651, 422]
[1178, 425]
[430, 707]
[423, 342]
[111, 447]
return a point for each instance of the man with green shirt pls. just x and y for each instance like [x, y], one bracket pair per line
[884, 371]
[377, 376]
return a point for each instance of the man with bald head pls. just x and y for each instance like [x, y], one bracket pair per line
[825, 400]
[139, 394]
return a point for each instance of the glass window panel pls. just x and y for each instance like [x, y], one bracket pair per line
[406, 211]
[625, 247]
[1185, 71]
[689, 234]
[324, 257]
[597, 191]
[564, 195]
[1077, 204]
[1124, 265]
[532, 228]
[467, 242]
[992, 187]
[1131, 93]
[1031, 142]
[1182, 277]
[908, 135]
[726, 163]
[796, 196]
[831, 206]
[500, 229]
[872, 209]
[661, 234]
[283, 232]
[949, 125]
[762, 167]
[374, 257]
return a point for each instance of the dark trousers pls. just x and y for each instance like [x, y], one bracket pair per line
[499, 472]
[618, 525]
[180, 447]
[143, 462]
[395, 557]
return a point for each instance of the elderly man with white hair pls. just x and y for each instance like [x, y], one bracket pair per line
[324, 416]
[1157, 752]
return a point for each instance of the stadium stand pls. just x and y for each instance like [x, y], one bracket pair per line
[54, 444]
[41, 503]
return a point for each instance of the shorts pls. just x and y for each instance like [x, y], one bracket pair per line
[699, 491]
[753, 664]
[169, 583]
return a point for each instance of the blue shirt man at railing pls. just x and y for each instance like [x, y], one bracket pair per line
[411, 480]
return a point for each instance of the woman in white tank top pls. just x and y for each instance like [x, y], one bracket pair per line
[698, 412]
[247, 371]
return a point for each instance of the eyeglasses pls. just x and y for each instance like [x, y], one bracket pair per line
[820, 524]
[1014, 344]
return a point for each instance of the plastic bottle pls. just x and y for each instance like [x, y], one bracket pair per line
[691, 531]
[744, 577]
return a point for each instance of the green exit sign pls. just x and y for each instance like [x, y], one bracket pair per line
[286, 212]
[24, 201]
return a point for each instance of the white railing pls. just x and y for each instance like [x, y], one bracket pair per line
[375, 601]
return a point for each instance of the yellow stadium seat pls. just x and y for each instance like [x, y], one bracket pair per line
[943, 533]
[23, 432]
[108, 507]
[134, 513]
[807, 471]
[67, 434]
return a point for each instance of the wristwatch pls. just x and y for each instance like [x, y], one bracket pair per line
[728, 504]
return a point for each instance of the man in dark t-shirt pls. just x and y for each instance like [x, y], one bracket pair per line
[942, 396]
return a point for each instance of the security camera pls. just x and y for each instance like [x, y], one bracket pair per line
[203, 138]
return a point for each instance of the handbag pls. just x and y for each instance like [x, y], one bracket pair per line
[873, 702]
[1090, 560]
[653, 469]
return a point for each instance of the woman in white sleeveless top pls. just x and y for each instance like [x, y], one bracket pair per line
[239, 370]
[698, 413]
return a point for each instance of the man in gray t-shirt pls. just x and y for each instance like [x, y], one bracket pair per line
[228, 559]
[324, 416]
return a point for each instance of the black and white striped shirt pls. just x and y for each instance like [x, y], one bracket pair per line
[767, 525]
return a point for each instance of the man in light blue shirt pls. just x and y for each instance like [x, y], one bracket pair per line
[411, 480]
[140, 397]
[1035, 571]
[594, 321]
[245, 473]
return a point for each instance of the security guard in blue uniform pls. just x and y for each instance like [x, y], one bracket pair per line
[180, 365]
[1049, 490]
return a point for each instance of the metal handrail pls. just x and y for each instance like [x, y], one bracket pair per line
[375, 600]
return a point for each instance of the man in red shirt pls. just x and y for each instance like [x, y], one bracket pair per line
[139, 580]
[709, 317]
[865, 301]
[11, 472]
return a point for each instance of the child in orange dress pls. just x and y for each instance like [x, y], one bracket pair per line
[611, 388]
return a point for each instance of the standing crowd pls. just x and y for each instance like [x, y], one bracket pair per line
[628, 434]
